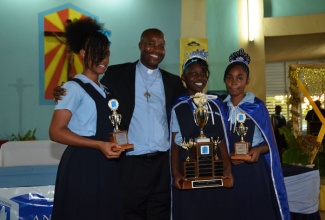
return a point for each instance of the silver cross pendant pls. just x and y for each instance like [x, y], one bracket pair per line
[147, 95]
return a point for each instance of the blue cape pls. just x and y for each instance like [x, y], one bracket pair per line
[259, 114]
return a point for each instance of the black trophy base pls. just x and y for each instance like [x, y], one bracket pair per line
[205, 183]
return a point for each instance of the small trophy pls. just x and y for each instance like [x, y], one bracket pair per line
[118, 136]
[204, 169]
[187, 146]
[242, 147]
[215, 144]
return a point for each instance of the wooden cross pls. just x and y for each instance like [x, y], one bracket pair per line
[60, 36]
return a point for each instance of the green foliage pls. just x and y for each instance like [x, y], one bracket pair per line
[300, 150]
[291, 155]
[29, 136]
[289, 137]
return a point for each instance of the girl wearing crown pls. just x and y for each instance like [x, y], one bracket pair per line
[259, 191]
[204, 203]
[87, 183]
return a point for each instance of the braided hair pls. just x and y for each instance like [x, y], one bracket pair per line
[238, 58]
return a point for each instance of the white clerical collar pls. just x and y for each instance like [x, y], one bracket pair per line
[144, 69]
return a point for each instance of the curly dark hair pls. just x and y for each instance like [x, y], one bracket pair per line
[83, 34]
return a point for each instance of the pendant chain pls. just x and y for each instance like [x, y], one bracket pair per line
[147, 93]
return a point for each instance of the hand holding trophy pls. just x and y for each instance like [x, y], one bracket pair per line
[242, 147]
[118, 136]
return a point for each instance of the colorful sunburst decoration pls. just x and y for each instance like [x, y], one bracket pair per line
[59, 63]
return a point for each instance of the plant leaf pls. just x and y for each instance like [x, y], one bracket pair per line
[291, 155]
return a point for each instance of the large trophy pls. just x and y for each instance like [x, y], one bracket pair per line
[205, 169]
[241, 148]
[118, 136]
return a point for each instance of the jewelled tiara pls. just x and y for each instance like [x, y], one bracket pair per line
[200, 54]
[240, 56]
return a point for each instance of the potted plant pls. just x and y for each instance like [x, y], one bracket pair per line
[29, 136]
[301, 150]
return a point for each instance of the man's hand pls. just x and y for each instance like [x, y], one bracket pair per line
[58, 92]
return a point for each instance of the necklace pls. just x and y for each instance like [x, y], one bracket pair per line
[147, 93]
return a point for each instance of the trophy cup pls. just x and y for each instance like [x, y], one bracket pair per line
[241, 148]
[204, 169]
[118, 136]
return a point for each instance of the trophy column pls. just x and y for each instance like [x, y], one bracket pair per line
[241, 148]
[118, 136]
